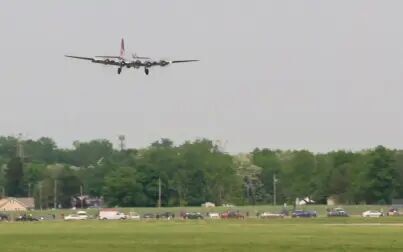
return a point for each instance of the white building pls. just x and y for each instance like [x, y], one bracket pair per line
[17, 204]
[208, 204]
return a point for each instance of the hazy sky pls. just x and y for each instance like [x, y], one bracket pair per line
[308, 74]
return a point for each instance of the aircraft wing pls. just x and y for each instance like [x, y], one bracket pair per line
[104, 61]
[134, 56]
[77, 57]
[183, 61]
[109, 57]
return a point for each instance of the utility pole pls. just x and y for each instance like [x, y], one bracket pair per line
[40, 195]
[29, 190]
[20, 148]
[81, 197]
[55, 195]
[159, 192]
[274, 188]
[3, 192]
[20, 155]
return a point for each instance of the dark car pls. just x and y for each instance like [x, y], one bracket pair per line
[337, 212]
[26, 218]
[232, 215]
[148, 216]
[285, 212]
[167, 215]
[3, 217]
[303, 214]
[193, 216]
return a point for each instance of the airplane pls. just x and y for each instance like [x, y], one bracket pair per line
[135, 61]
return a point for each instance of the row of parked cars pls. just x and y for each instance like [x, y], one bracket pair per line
[294, 214]
[335, 212]
[114, 214]
[104, 214]
[368, 213]
[22, 217]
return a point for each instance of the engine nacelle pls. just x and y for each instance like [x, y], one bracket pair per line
[163, 63]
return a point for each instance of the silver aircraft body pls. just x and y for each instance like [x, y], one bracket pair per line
[134, 62]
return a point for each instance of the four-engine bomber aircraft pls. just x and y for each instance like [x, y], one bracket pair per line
[135, 62]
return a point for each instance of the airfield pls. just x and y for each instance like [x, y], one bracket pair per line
[320, 234]
[323, 233]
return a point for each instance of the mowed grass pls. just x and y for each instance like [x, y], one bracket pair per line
[320, 234]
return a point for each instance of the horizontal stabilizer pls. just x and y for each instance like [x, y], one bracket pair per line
[134, 56]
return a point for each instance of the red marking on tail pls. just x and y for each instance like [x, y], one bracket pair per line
[122, 48]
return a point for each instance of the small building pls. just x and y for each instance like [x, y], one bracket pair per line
[208, 204]
[86, 201]
[330, 201]
[17, 204]
[304, 201]
[334, 200]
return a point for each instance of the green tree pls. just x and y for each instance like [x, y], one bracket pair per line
[398, 167]
[381, 176]
[43, 150]
[8, 147]
[271, 166]
[15, 178]
[87, 153]
[251, 175]
[297, 174]
[3, 180]
[60, 179]
[211, 174]
[33, 174]
[123, 188]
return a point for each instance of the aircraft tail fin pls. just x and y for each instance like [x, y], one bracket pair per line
[122, 48]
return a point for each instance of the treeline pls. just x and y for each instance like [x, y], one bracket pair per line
[193, 173]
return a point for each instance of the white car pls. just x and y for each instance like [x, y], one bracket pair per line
[372, 213]
[270, 215]
[213, 215]
[133, 216]
[111, 214]
[80, 215]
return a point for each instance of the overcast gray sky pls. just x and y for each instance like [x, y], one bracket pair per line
[319, 75]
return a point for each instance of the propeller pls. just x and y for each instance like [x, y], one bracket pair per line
[164, 62]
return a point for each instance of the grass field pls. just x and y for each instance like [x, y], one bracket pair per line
[321, 234]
